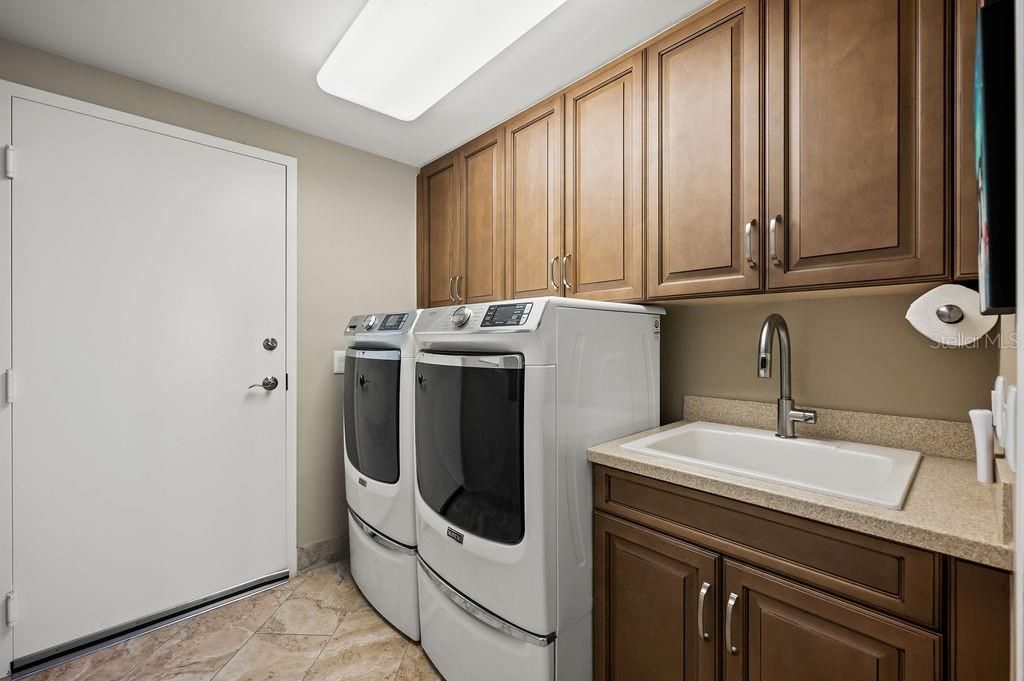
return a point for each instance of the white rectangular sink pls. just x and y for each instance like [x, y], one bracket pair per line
[874, 475]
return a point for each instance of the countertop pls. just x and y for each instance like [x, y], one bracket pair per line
[947, 510]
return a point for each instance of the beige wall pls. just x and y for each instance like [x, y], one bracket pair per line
[356, 210]
[856, 353]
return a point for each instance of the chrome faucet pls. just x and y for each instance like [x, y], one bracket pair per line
[788, 414]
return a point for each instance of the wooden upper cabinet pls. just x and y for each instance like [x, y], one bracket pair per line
[856, 141]
[647, 593]
[604, 183]
[533, 209]
[785, 632]
[965, 246]
[480, 250]
[437, 232]
[704, 154]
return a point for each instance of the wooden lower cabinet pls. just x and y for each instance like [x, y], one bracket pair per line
[647, 606]
[786, 599]
[976, 626]
[780, 631]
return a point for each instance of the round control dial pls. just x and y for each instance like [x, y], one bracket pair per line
[461, 315]
[369, 321]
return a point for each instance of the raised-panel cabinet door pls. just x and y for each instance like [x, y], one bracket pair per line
[965, 250]
[979, 622]
[604, 184]
[704, 154]
[648, 593]
[481, 250]
[533, 209]
[856, 141]
[438, 232]
[775, 630]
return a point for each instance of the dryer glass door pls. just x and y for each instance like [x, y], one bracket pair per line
[371, 412]
[469, 441]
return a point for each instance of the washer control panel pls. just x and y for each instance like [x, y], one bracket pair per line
[397, 323]
[507, 314]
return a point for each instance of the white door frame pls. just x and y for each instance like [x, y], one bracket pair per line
[9, 90]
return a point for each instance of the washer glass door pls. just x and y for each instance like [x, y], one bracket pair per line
[469, 441]
[371, 412]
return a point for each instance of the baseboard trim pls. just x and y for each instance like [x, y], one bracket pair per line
[321, 552]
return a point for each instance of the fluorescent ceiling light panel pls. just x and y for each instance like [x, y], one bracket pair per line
[400, 57]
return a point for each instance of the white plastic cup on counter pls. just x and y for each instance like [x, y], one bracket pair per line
[981, 421]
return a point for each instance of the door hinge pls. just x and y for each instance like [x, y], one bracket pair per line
[11, 606]
[9, 391]
[9, 162]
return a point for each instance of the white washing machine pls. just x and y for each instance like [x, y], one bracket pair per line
[509, 396]
[379, 472]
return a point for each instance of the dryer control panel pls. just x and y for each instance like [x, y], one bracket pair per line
[507, 314]
[503, 317]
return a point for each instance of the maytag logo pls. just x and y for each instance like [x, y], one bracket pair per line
[455, 534]
[362, 481]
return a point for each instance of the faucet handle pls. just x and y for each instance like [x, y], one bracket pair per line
[803, 415]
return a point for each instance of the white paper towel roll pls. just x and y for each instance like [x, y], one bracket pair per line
[923, 315]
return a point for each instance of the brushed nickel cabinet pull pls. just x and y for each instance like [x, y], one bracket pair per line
[704, 588]
[773, 249]
[733, 650]
[748, 242]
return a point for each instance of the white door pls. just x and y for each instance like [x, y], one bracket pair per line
[146, 271]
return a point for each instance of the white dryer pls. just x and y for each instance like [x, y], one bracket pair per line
[509, 396]
[379, 473]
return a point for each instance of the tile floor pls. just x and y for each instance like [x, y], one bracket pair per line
[316, 627]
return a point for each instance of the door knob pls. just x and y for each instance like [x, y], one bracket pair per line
[268, 384]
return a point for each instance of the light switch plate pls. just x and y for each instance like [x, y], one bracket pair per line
[339, 361]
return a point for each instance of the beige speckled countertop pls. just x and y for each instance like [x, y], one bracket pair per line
[946, 511]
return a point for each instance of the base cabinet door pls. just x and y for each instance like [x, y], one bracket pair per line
[655, 606]
[856, 141]
[776, 630]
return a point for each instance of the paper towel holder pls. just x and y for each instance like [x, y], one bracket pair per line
[949, 314]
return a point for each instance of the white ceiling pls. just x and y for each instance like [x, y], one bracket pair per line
[261, 57]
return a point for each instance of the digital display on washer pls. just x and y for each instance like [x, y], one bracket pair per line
[509, 314]
[393, 322]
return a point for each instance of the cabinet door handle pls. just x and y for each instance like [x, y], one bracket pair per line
[748, 242]
[451, 294]
[773, 249]
[704, 588]
[733, 650]
[565, 272]
[458, 296]
[551, 272]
